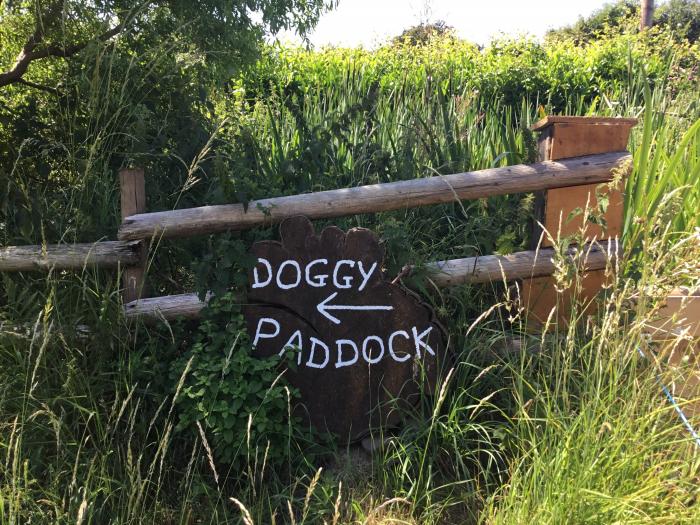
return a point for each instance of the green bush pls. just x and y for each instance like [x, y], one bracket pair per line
[240, 401]
[681, 16]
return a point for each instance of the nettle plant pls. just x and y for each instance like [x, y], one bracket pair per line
[242, 404]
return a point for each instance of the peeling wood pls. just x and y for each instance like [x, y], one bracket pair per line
[108, 254]
[591, 169]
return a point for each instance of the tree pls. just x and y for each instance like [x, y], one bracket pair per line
[59, 29]
[647, 14]
[629, 16]
[621, 16]
[90, 86]
[682, 16]
[423, 32]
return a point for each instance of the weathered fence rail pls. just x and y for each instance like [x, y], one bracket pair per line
[454, 272]
[519, 265]
[577, 154]
[108, 254]
[374, 198]
[166, 307]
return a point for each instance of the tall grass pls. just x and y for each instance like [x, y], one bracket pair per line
[565, 426]
[596, 440]
[568, 426]
[670, 170]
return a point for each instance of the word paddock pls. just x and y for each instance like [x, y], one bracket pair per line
[313, 352]
[354, 339]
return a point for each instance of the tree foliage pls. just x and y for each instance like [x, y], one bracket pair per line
[88, 87]
[222, 30]
[424, 32]
[620, 17]
[683, 16]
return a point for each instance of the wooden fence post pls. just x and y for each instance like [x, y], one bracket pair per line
[560, 138]
[133, 201]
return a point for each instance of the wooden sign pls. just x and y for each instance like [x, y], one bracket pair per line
[360, 341]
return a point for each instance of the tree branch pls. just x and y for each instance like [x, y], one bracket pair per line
[48, 89]
[29, 51]
[23, 59]
[54, 50]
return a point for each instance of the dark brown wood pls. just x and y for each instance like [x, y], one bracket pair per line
[375, 198]
[133, 200]
[358, 341]
[107, 254]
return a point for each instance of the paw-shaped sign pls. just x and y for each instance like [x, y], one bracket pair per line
[360, 341]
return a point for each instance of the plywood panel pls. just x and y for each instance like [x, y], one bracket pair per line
[571, 139]
[681, 374]
[565, 137]
[547, 121]
[679, 315]
[539, 296]
[563, 220]
[680, 360]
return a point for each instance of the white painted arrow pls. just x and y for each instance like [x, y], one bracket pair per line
[323, 307]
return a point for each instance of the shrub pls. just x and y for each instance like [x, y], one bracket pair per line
[240, 402]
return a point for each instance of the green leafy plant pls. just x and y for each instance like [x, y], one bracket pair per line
[240, 402]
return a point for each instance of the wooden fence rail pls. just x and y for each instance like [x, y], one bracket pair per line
[453, 272]
[520, 178]
[519, 265]
[577, 153]
[108, 254]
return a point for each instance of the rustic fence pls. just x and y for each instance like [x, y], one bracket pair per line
[577, 155]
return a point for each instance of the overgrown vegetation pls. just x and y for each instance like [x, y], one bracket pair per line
[178, 424]
[679, 17]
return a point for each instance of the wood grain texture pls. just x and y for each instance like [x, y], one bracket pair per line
[565, 210]
[540, 298]
[375, 198]
[132, 184]
[444, 273]
[680, 314]
[520, 265]
[572, 137]
[167, 307]
[343, 388]
[563, 137]
[108, 254]
[679, 317]
[594, 121]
